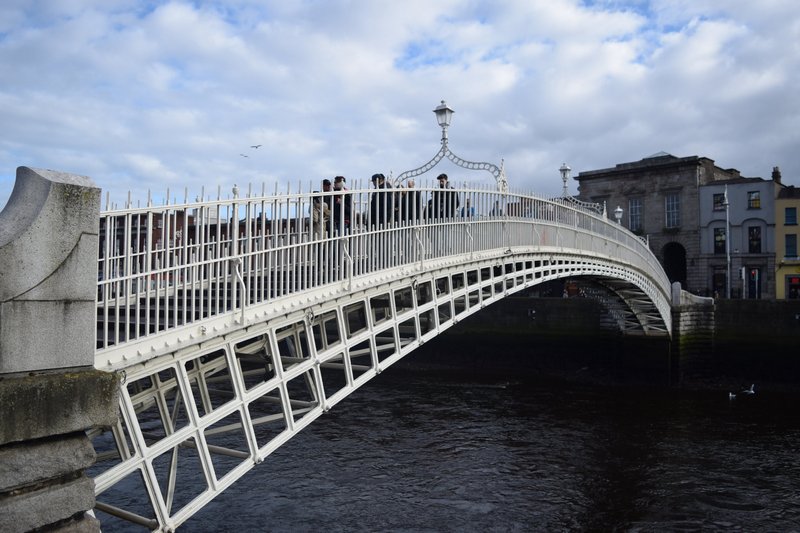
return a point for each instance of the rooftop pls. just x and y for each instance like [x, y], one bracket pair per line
[656, 160]
[789, 191]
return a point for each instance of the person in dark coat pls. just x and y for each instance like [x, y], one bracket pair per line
[382, 205]
[444, 201]
[342, 206]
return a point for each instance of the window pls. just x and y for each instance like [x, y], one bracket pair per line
[754, 239]
[790, 216]
[792, 287]
[635, 214]
[672, 205]
[754, 200]
[791, 246]
[719, 201]
[719, 240]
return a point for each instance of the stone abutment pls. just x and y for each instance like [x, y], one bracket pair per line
[50, 394]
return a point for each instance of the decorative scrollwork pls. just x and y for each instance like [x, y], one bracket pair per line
[588, 206]
[497, 172]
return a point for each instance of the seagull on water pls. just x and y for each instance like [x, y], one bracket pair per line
[745, 392]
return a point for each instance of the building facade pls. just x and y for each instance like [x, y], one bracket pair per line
[660, 200]
[787, 275]
[737, 237]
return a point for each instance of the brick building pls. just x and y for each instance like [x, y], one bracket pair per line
[660, 198]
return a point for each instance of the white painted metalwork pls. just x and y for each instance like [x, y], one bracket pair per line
[237, 322]
[565, 171]
[589, 206]
[443, 116]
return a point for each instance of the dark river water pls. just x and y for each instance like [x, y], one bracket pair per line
[412, 451]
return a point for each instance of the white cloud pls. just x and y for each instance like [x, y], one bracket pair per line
[169, 94]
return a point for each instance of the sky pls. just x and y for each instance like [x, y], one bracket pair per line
[149, 95]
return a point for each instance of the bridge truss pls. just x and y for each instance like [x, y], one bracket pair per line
[235, 323]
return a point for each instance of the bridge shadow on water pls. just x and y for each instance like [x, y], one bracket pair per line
[569, 339]
[546, 338]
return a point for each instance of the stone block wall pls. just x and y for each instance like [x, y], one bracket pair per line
[693, 327]
[50, 394]
[44, 449]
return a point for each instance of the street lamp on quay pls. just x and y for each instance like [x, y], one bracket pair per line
[565, 170]
[727, 243]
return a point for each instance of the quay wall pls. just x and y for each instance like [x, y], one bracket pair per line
[736, 343]
[692, 343]
[758, 339]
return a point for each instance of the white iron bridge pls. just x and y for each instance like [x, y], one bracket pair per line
[236, 322]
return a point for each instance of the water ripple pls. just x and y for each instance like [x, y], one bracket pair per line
[416, 453]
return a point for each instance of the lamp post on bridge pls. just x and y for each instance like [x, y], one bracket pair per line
[618, 214]
[566, 171]
[444, 114]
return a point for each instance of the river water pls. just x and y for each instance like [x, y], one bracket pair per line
[415, 451]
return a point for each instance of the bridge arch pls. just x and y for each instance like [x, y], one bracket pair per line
[234, 341]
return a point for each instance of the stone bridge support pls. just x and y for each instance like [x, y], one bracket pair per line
[50, 393]
[692, 335]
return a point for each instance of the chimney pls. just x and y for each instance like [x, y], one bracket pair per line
[776, 174]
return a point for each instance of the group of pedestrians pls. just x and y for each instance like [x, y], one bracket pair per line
[337, 208]
[406, 204]
[387, 204]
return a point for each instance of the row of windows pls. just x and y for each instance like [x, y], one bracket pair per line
[753, 200]
[672, 206]
[753, 240]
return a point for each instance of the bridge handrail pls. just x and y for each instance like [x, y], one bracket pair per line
[164, 267]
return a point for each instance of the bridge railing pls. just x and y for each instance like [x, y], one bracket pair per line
[165, 267]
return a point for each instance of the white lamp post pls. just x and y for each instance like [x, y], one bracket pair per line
[618, 214]
[565, 170]
[443, 116]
